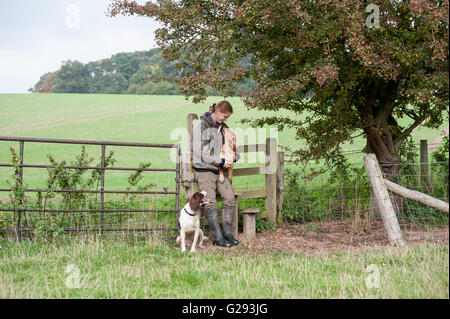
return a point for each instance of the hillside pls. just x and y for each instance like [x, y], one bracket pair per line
[141, 72]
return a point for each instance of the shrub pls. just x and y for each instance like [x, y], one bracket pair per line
[49, 222]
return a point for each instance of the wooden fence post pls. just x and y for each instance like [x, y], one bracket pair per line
[384, 202]
[425, 179]
[187, 177]
[187, 173]
[280, 186]
[271, 179]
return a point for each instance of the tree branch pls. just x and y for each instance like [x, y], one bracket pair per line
[399, 140]
[410, 114]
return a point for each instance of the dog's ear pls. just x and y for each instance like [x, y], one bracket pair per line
[194, 201]
[188, 199]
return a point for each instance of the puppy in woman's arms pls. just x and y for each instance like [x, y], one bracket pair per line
[189, 222]
[228, 152]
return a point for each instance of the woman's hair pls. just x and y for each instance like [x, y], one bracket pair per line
[222, 106]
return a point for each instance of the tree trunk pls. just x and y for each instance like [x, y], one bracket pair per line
[382, 131]
[391, 173]
[389, 166]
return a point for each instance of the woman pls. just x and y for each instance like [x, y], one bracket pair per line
[207, 141]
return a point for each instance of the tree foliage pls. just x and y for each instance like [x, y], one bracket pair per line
[73, 77]
[327, 60]
[46, 82]
[142, 72]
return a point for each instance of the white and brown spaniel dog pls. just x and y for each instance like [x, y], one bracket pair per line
[189, 222]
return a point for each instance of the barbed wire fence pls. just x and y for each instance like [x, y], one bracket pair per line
[311, 193]
[314, 193]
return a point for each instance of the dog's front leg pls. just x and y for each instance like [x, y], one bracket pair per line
[194, 242]
[183, 241]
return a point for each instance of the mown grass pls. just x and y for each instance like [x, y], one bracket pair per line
[154, 268]
[127, 118]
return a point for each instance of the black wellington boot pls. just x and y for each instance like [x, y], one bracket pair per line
[213, 222]
[227, 222]
[229, 236]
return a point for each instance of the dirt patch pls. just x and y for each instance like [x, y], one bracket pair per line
[332, 236]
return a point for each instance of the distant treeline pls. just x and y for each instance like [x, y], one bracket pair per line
[142, 72]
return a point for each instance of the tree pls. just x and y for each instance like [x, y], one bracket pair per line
[38, 85]
[113, 83]
[146, 73]
[110, 76]
[73, 77]
[46, 82]
[349, 67]
[126, 63]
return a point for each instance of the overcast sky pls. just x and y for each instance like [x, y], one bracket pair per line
[37, 35]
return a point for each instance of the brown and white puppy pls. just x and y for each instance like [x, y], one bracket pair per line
[189, 221]
[228, 152]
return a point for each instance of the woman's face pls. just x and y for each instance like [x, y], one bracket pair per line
[220, 117]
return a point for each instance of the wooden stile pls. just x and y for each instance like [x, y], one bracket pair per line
[272, 191]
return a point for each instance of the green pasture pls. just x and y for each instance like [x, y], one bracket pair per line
[152, 267]
[124, 118]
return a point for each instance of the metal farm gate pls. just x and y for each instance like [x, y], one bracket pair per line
[17, 212]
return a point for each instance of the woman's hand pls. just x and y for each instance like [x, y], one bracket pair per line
[229, 160]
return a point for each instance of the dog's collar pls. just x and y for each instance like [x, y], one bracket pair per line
[188, 212]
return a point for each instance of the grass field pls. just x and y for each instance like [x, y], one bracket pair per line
[138, 268]
[152, 267]
[126, 118]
